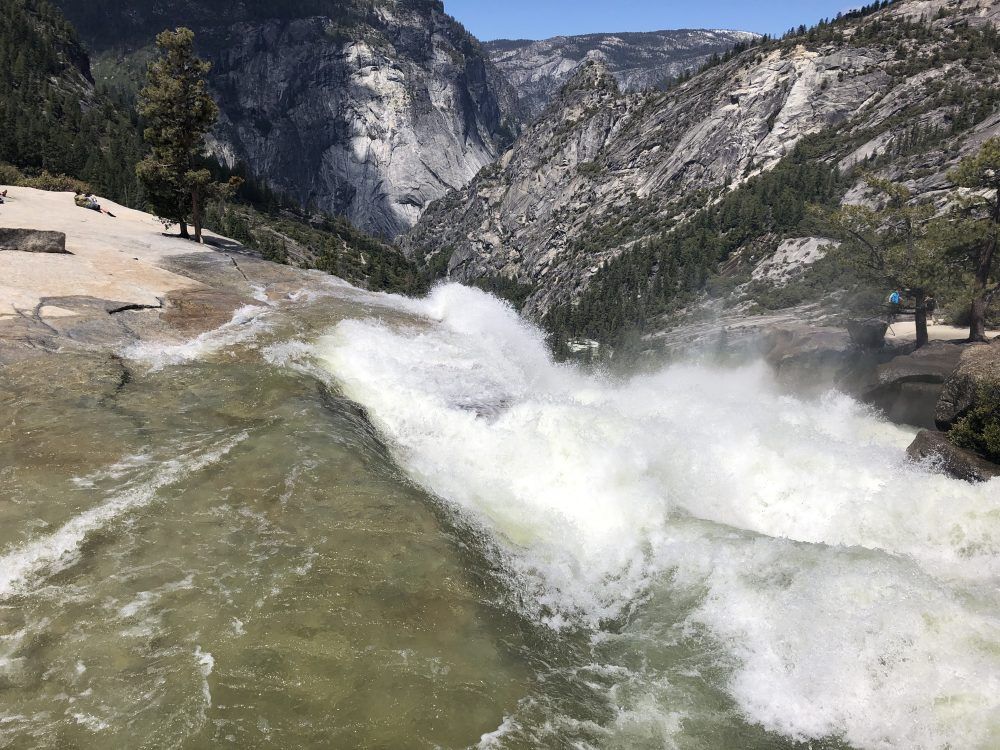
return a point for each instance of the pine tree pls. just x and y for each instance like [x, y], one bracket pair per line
[179, 112]
[978, 221]
[889, 245]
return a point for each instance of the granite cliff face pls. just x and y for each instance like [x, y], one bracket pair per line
[368, 110]
[639, 61]
[907, 91]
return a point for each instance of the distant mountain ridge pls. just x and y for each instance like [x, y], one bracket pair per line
[371, 109]
[638, 60]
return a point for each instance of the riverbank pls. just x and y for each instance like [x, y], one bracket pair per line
[120, 259]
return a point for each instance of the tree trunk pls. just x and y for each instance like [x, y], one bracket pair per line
[977, 329]
[184, 230]
[981, 297]
[196, 214]
[920, 315]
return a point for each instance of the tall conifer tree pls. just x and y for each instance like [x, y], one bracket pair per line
[178, 111]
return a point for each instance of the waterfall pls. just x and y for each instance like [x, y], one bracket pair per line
[848, 592]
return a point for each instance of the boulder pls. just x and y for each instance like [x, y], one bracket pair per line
[980, 363]
[934, 448]
[33, 241]
[907, 387]
[801, 352]
[868, 334]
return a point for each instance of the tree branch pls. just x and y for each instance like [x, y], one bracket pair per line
[876, 260]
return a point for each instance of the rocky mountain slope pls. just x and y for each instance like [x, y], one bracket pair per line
[613, 207]
[538, 69]
[368, 110]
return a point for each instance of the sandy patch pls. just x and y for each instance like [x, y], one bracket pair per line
[906, 330]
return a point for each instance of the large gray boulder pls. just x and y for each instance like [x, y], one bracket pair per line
[907, 387]
[33, 241]
[808, 357]
[935, 449]
[979, 364]
[868, 334]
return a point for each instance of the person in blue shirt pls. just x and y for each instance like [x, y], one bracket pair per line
[895, 305]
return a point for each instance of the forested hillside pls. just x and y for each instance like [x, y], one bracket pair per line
[51, 116]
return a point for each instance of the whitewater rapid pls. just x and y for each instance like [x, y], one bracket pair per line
[850, 594]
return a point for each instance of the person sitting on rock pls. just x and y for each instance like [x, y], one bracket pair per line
[89, 201]
[81, 200]
[895, 305]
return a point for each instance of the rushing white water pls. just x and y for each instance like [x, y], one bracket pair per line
[854, 594]
[247, 322]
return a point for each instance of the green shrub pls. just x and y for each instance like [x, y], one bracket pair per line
[10, 175]
[979, 430]
[325, 243]
[723, 286]
[437, 266]
[56, 182]
[591, 169]
[958, 312]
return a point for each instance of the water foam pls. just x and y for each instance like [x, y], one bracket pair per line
[247, 322]
[206, 663]
[856, 593]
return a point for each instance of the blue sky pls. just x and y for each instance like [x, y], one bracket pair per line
[539, 19]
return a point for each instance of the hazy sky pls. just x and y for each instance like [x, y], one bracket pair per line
[539, 19]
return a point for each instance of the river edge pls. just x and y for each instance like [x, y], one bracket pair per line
[121, 282]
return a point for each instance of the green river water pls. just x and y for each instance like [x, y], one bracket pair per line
[306, 532]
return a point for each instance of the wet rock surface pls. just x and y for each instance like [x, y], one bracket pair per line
[83, 330]
[934, 448]
[868, 334]
[979, 365]
[908, 386]
[808, 356]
